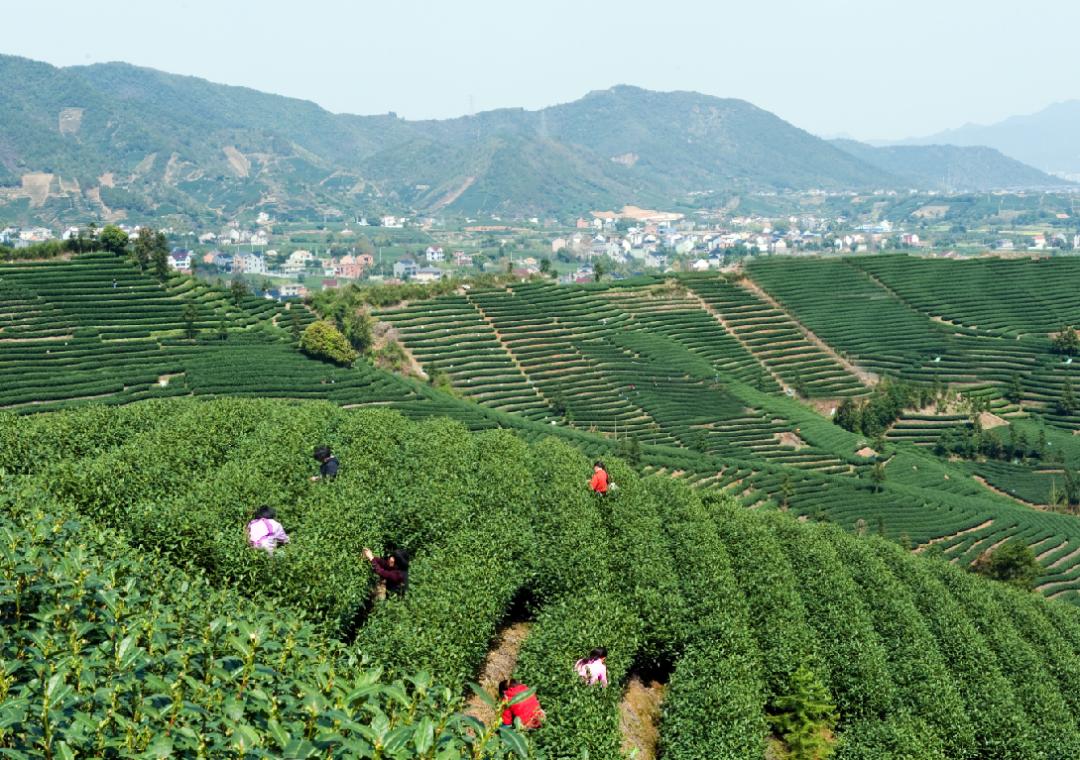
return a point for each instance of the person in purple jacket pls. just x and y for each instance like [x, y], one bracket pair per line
[393, 569]
[264, 532]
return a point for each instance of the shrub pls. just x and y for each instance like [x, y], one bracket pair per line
[805, 717]
[1013, 563]
[324, 341]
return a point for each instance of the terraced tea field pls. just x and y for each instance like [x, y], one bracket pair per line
[701, 372]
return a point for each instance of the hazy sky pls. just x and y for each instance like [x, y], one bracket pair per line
[866, 68]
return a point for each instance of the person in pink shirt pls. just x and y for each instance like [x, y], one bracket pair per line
[593, 668]
[264, 532]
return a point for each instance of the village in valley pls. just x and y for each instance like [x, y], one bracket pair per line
[293, 260]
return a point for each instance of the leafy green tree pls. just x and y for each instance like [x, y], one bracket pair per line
[599, 270]
[238, 291]
[545, 266]
[323, 340]
[358, 326]
[295, 329]
[113, 239]
[630, 450]
[849, 415]
[223, 330]
[191, 316]
[1066, 404]
[787, 490]
[877, 476]
[1066, 342]
[1015, 393]
[805, 716]
[1072, 489]
[151, 251]
[1013, 563]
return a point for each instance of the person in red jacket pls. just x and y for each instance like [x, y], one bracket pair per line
[599, 482]
[528, 710]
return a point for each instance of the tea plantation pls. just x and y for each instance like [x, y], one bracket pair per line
[139, 623]
[723, 383]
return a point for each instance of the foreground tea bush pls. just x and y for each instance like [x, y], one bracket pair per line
[121, 657]
[136, 622]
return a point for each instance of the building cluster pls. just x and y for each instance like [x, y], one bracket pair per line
[19, 237]
[351, 266]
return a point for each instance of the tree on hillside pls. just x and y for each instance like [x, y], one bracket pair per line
[1013, 563]
[877, 476]
[545, 266]
[599, 270]
[295, 329]
[787, 490]
[238, 291]
[191, 316]
[358, 326]
[323, 340]
[113, 239]
[805, 716]
[630, 450]
[1066, 342]
[150, 249]
[1066, 404]
[1015, 393]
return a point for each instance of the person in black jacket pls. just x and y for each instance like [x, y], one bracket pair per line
[328, 464]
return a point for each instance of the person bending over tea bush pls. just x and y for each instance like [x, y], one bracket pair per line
[527, 710]
[264, 532]
[393, 569]
[593, 668]
[328, 464]
[599, 482]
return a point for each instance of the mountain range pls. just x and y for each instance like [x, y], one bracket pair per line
[1048, 139]
[114, 140]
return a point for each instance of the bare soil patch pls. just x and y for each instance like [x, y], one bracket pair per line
[932, 211]
[499, 665]
[866, 452]
[70, 120]
[787, 438]
[36, 185]
[990, 421]
[454, 194]
[238, 162]
[639, 717]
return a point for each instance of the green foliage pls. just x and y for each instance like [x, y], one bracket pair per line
[238, 291]
[50, 249]
[873, 415]
[804, 717]
[1066, 403]
[151, 252]
[191, 316]
[1013, 563]
[111, 656]
[919, 657]
[1066, 342]
[113, 239]
[323, 341]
